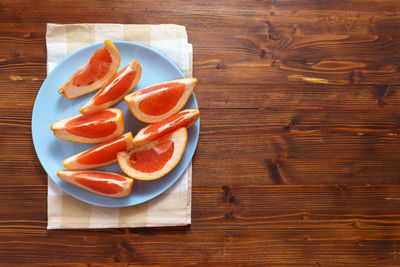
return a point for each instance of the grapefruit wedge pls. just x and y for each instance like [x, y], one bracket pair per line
[156, 158]
[184, 118]
[100, 67]
[109, 184]
[100, 155]
[90, 129]
[115, 89]
[157, 102]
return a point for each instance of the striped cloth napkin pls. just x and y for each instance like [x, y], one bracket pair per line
[173, 207]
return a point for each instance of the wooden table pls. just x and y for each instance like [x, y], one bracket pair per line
[298, 161]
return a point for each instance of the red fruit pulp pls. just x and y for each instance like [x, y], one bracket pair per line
[177, 119]
[153, 159]
[93, 125]
[104, 152]
[120, 85]
[163, 101]
[101, 186]
[96, 68]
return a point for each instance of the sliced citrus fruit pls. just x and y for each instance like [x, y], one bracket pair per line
[159, 101]
[100, 67]
[156, 158]
[115, 89]
[184, 118]
[109, 184]
[100, 155]
[89, 129]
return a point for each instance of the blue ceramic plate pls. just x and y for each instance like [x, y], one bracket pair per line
[50, 106]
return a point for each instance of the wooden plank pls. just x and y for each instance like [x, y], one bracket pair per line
[352, 225]
[297, 147]
[322, 56]
[317, 97]
[278, 146]
[280, 253]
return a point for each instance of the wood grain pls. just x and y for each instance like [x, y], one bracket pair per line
[299, 150]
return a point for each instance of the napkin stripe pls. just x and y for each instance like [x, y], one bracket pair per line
[103, 32]
[136, 215]
[188, 201]
[103, 216]
[57, 49]
[190, 69]
[137, 33]
[171, 208]
[54, 213]
[73, 208]
[78, 36]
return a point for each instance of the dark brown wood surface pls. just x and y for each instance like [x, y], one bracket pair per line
[298, 161]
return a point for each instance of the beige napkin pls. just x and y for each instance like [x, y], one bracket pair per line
[173, 207]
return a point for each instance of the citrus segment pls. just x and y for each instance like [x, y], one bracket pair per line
[157, 102]
[93, 128]
[115, 89]
[184, 118]
[152, 159]
[156, 158]
[83, 126]
[100, 67]
[169, 98]
[103, 183]
[100, 155]
[96, 69]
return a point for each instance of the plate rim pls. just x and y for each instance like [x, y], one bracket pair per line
[35, 132]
